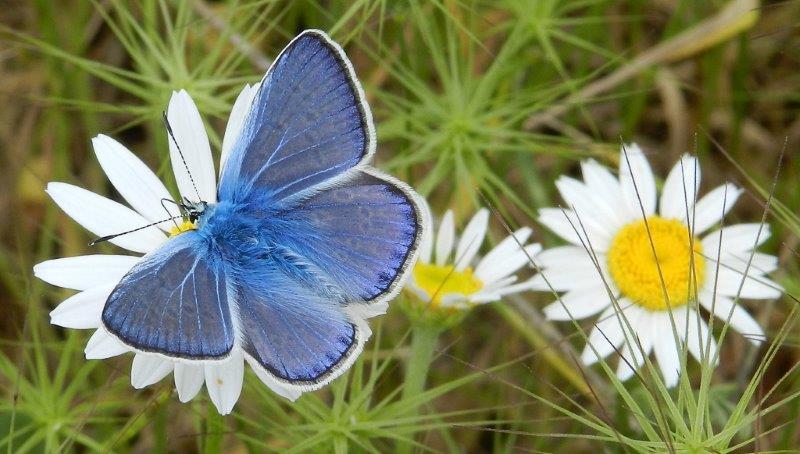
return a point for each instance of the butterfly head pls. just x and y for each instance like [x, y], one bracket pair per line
[191, 210]
[194, 210]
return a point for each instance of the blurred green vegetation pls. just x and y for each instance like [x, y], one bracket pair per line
[476, 102]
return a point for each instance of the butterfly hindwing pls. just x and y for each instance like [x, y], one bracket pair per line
[308, 124]
[361, 233]
[174, 302]
[298, 335]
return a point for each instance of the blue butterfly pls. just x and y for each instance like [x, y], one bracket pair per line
[305, 238]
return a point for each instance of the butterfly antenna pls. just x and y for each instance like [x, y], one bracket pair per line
[180, 207]
[111, 237]
[186, 166]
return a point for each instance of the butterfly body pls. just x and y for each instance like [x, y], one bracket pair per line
[303, 242]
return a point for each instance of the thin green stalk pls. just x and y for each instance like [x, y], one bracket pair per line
[423, 343]
[424, 337]
[215, 430]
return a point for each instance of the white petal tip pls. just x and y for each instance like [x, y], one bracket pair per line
[68, 321]
[625, 372]
[556, 313]
[292, 396]
[588, 357]
[103, 345]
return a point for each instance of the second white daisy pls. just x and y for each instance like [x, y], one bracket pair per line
[444, 275]
[649, 254]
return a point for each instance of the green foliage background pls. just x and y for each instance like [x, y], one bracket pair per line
[477, 102]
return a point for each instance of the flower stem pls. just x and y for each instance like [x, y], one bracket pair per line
[215, 430]
[424, 337]
[423, 343]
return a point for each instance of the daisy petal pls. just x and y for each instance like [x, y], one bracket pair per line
[516, 288]
[224, 382]
[189, 379]
[417, 290]
[134, 181]
[728, 283]
[102, 217]
[714, 206]
[366, 311]
[578, 304]
[82, 310]
[697, 337]
[190, 133]
[560, 222]
[680, 189]
[103, 345]
[498, 284]
[85, 271]
[445, 238]
[454, 300]
[666, 350]
[606, 336]
[754, 263]
[562, 280]
[736, 238]
[485, 297]
[591, 208]
[636, 180]
[601, 182]
[562, 257]
[497, 289]
[506, 247]
[507, 265]
[241, 107]
[426, 242]
[638, 346]
[497, 292]
[289, 393]
[471, 239]
[569, 267]
[148, 369]
[727, 311]
[567, 225]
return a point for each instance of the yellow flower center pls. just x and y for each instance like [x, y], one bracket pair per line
[439, 281]
[643, 277]
[183, 227]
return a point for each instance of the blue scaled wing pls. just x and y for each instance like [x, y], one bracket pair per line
[299, 336]
[361, 233]
[344, 247]
[174, 302]
[308, 124]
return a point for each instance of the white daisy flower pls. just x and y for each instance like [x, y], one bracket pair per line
[606, 216]
[95, 276]
[446, 278]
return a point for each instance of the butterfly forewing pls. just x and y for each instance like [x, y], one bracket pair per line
[307, 124]
[174, 302]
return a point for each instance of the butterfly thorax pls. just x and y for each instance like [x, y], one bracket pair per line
[233, 231]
